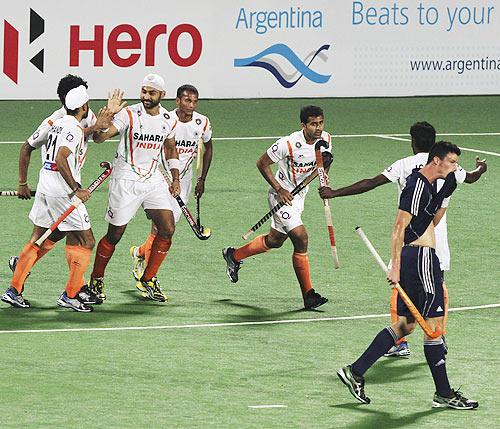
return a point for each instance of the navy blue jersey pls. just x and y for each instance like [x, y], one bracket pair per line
[420, 199]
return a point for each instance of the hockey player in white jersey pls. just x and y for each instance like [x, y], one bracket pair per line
[423, 136]
[193, 129]
[59, 184]
[146, 129]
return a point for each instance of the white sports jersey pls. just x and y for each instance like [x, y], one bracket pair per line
[64, 132]
[295, 158]
[399, 171]
[141, 142]
[39, 137]
[187, 138]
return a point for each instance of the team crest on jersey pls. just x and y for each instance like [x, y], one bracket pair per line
[166, 116]
[198, 121]
[70, 137]
[298, 145]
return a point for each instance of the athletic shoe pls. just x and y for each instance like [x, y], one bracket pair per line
[13, 263]
[355, 384]
[233, 266]
[73, 303]
[401, 350]
[313, 300]
[445, 345]
[88, 297]
[12, 297]
[456, 401]
[96, 286]
[153, 290]
[137, 263]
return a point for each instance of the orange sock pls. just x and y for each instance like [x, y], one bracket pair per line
[145, 248]
[26, 261]
[47, 246]
[78, 258]
[159, 250]
[394, 312]
[102, 256]
[445, 318]
[256, 246]
[302, 271]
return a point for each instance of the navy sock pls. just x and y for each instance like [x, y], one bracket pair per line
[384, 340]
[434, 353]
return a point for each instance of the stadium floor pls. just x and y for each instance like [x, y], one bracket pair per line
[245, 355]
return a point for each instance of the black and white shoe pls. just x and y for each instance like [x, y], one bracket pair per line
[355, 384]
[12, 297]
[233, 266]
[87, 296]
[73, 303]
[313, 300]
[456, 401]
[13, 263]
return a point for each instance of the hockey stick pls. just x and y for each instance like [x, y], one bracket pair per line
[199, 163]
[102, 177]
[204, 234]
[13, 193]
[271, 212]
[328, 214]
[406, 299]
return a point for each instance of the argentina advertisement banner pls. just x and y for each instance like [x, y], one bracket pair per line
[250, 49]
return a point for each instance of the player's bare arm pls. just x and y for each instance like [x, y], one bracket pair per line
[264, 165]
[23, 189]
[360, 187]
[207, 159]
[439, 215]
[103, 135]
[398, 231]
[474, 175]
[172, 158]
[65, 171]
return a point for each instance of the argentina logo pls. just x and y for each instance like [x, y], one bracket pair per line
[265, 60]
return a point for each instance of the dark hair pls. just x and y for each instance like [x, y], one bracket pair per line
[441, 149]
[423, 135]
[67, 83]
[308, 111]
[187, 88]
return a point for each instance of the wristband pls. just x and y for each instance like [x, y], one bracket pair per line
[173, 163]
[23, 183]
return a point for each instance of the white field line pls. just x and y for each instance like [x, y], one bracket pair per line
[268, 406]
[228, 324]
[466, 149]
[339, 136]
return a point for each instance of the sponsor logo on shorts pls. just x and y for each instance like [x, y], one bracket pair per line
[285, 215]
[111, 214]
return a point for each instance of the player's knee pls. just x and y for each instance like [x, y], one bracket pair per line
[166, 232]
[273, 242]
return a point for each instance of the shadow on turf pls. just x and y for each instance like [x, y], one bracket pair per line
[256, 314]
[388, 370]
[383, 419]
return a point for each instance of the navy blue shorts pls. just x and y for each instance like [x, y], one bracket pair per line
[422, 280]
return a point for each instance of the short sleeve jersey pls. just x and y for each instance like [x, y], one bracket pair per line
[187, 139]
[402, 168]
[141, 141]
[39, 137]
[421, 200]
[295, 158]
[66, 132]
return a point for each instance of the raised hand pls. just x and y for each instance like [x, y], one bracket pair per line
[115, 103]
